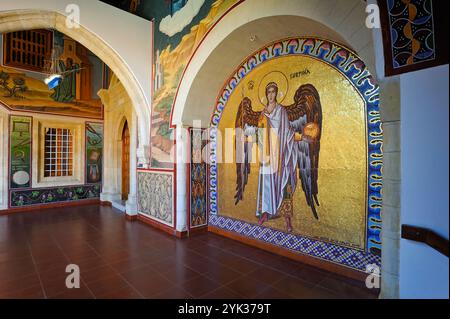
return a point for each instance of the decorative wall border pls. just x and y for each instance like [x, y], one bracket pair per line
[49, 195]
[355, 70]
[196, 193]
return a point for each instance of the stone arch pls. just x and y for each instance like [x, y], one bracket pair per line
[244, 29]
[238, 34]
[34, 19]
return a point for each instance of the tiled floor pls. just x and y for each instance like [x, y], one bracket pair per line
[120, 259]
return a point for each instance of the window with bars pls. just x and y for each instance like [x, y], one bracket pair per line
[30, 50]
[58, 156]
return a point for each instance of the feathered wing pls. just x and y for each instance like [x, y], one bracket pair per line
[305, 117]
[246, 126]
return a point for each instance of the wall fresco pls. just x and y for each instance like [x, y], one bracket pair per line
[20, 151]
[94, 152]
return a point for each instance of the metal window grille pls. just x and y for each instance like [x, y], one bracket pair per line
[58, 160]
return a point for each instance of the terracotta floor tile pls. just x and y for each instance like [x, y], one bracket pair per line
[106, 285]
[200, 286]
[119, 259]
[222, 293]
[247, 287]
[294, 287]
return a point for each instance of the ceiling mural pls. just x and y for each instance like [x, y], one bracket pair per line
[45, 71]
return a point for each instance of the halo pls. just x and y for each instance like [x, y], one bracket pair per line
[282, 82]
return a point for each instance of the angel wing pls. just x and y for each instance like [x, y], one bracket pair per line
[246, 125]
[305, 117]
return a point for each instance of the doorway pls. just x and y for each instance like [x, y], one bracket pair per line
[125, 162]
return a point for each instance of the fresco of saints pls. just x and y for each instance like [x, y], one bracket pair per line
[288, 138]
[66, 91]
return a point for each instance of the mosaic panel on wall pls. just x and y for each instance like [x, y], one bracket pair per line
[94, 152]
[20, 151]
[414, 34]
[198, 169]
[54, 195]
[155, 196]
[289, 104]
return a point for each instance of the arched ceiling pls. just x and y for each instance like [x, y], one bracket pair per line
[250, 26]
[227, 56]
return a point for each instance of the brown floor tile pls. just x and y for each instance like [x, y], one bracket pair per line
[345, 290]
[148, 284]
[222, 274]
[98, 273]
[200, 286]
[222, 293]
[119, 259]
[126, 292]
[13, 285]
[80, 293]
[174, 292]
[294, 287]
[34, 292]
[266, 275]
[106, 285]
[272, 293]
[179, 274]
[247, 287]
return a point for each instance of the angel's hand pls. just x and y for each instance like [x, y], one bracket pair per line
[248, 139]
[298, 137]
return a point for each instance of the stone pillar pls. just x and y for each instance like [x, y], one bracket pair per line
[131, 204]
[110, 192]
[143, 156]
[4, 161]
[390, 233]
[182, 147]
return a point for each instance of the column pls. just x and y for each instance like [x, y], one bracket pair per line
[182, 146]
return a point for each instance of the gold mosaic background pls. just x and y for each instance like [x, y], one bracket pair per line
[343, 154]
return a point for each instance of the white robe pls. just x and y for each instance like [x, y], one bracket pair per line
[281, 165]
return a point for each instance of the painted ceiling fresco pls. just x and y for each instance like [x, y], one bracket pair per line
[24, 89]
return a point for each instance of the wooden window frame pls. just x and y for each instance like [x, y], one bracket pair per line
[33, 46]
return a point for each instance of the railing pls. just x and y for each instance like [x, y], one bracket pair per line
[426, 236]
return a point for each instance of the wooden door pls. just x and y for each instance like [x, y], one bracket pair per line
[125, 162]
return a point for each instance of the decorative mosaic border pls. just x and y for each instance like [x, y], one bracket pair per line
[39, 196]
[345, 256]
[354, 69]
[198, 207]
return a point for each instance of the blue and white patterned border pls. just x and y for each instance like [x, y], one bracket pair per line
[354, 69]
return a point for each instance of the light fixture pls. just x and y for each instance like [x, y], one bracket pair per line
[53, 81]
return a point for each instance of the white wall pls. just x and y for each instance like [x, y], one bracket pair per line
[129, 35]
[424, 273]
